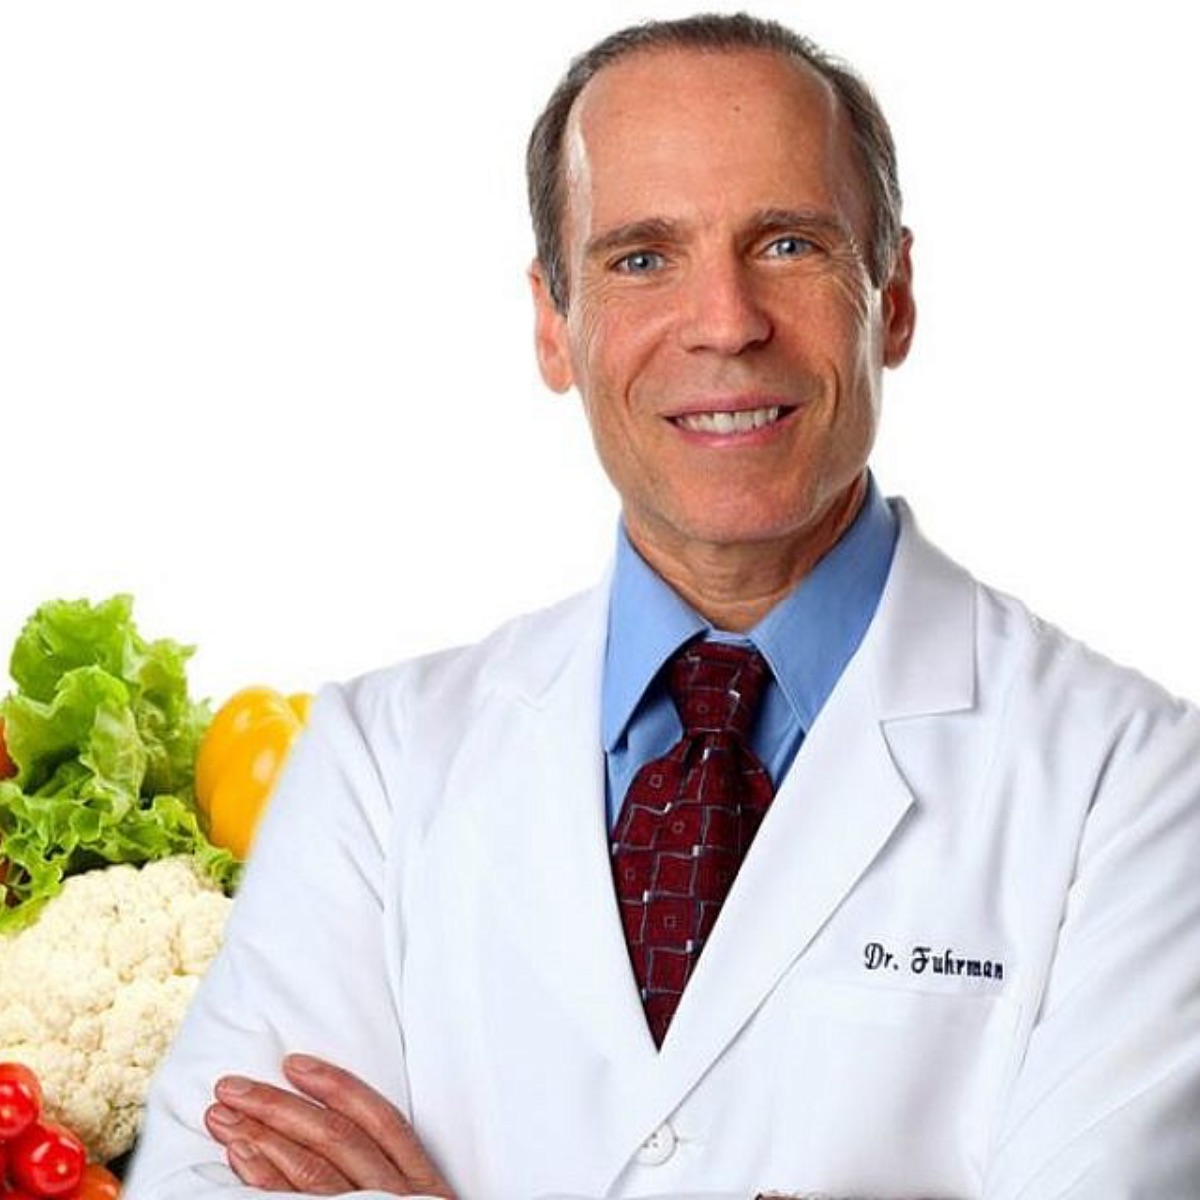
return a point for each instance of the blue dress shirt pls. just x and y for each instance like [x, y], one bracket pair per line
[807, 640]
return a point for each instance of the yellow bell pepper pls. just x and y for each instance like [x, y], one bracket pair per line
[240, 757]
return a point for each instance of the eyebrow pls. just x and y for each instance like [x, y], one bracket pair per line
[766, 221]
[778, 220]
[653, 229]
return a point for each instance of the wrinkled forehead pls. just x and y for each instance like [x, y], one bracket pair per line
[659, 117]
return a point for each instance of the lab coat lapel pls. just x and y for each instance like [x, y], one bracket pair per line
[836, 810]
[559, 900]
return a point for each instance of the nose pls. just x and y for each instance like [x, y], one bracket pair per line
[724, 312]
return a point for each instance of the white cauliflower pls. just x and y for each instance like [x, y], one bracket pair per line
[92, 992]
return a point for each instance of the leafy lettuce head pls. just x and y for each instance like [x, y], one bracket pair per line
[104, 736]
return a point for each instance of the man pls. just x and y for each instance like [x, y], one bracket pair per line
[930, 929]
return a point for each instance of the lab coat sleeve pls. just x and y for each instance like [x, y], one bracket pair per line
[305, 965]
[1106, 1103]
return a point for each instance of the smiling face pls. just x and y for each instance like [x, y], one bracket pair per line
[721, 324]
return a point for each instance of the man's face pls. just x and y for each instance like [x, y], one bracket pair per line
[721, 324]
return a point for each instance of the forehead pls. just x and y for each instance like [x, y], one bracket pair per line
[673, 126]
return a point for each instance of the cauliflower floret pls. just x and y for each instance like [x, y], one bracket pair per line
[92, 992]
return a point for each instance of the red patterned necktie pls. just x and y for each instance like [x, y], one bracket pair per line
[688, 820]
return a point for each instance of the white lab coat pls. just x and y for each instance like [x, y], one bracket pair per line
[430, 905]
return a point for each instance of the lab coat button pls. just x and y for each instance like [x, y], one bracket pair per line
[657, 1148]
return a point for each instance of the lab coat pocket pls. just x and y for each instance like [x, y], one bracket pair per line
[886, 1076]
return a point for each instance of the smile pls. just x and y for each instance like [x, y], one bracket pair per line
[731, 422]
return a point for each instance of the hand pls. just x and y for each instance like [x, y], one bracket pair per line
[339, 1136]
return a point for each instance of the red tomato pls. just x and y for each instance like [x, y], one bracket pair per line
[98, 1183]
[47, 1160]
[20, 1099]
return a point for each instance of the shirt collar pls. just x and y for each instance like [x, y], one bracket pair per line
[807, 638]
[647, 622]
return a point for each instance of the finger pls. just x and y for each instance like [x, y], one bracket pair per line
[314, 1146]
[381, 1120]
[255, 1170]
[262, 1158]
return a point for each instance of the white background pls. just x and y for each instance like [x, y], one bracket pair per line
[265, 357]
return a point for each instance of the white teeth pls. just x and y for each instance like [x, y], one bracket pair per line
[730, 422]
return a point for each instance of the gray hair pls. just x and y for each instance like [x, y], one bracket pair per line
[714, 32]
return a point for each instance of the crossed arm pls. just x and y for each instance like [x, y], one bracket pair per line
[333, 1135]
[336, 1135]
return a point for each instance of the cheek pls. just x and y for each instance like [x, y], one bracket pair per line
[861, 314]
[587, 336]
[610, 347]
[831, 317]
[581, 327]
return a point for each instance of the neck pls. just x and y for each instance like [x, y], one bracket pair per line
[734, 585]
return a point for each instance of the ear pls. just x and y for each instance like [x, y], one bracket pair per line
[899, 307]
[550, 334]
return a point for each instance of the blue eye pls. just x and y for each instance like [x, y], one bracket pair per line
[640, 262]
[790, 247]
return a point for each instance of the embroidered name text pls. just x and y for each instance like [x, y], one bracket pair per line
[926, 960]
[949, 963]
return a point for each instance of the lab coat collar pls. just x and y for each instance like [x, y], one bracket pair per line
[921, 640]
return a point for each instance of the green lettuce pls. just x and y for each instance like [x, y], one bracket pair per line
[104, 738]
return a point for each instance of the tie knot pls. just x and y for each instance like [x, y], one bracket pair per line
[717, 687]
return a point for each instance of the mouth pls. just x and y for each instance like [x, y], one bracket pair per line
[731, 422]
